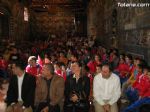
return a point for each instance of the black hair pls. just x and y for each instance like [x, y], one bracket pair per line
[75, 55]
[99, 65]
[123, 55]
[86, 68]
[50, 67]
[116, 50]
[109, 65]
[140, 66]
[129, 56]
[122, 58]
[79, 63]
[147, 67]
[98, 56]
[116, 54]
[143, 62]
[20, 63]
[59, 63]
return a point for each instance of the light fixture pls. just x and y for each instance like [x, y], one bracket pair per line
[1, 13]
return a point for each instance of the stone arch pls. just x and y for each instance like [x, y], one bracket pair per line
[5, 7]
[5, 11]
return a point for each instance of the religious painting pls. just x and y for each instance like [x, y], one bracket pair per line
[145, 38]
[132, 37]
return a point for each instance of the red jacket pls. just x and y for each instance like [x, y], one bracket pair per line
[92, 66]
[3, 64]
[142, 84]
[35, 71]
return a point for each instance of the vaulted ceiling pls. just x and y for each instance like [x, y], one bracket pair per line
[53, 6]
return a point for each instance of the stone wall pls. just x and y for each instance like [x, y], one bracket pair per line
[134, 30]
[18, 29]
[95, 18]
[129, 30]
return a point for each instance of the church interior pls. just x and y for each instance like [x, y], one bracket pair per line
[95, 34]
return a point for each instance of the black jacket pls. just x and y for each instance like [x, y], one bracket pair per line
[27, 92]
[81, 88]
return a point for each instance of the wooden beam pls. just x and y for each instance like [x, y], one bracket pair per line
[58, 4]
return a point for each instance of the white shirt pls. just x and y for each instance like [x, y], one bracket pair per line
[20, 81]
[106, 89]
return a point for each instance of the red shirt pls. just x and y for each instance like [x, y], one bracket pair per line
[123, 69]
[35, 71]
[92, 66]
[3, 64]
[137, 82]
[145, 87]
[104, 56]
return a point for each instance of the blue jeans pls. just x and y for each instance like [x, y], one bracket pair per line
[135, 106]
[132, 94]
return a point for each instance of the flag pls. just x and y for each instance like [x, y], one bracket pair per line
[40, 61]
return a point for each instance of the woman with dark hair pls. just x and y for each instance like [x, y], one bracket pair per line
[93, 63]
[77, 90]
[123, 70]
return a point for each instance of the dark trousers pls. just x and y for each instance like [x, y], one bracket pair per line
[74, 110]
[72, 107]
[42, 105]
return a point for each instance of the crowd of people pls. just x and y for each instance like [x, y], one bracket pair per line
[71, 75]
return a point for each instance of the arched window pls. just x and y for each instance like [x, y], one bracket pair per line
[26, 14]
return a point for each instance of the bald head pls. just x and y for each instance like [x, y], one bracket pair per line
[48, 70]
[106, 71]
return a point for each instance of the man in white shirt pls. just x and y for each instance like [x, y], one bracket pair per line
[106, 90]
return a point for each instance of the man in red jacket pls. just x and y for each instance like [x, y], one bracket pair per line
[142, 83]
[143, 86]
